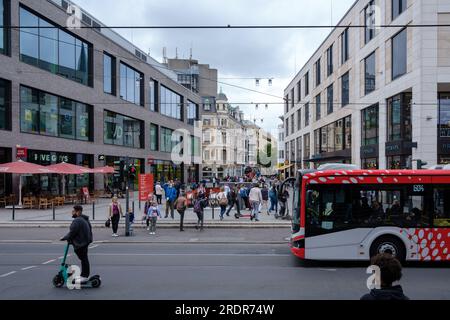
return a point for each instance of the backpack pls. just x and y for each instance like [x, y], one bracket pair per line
[223, 200]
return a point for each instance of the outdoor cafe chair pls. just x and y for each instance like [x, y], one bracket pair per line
[3, 201]
[43, 203]
[27, 202]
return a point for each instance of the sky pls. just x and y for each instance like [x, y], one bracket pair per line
[239, 55]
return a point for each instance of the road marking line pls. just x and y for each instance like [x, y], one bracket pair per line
[7, 274]
[329, 270]
[28, 268]
[94, 246]
[49, 261]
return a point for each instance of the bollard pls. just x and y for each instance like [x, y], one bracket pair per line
[93, 210]
[212, 211]
[14, 211]
[139, 205]
[53, 209]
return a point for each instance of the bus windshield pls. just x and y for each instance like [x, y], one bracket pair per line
[296, 204]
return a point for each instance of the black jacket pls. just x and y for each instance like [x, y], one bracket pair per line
[80, 234]
[392, 293]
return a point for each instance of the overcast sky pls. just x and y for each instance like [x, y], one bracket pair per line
[236, 53]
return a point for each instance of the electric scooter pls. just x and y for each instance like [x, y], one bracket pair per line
[63, 275]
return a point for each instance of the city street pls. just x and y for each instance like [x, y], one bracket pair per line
[217, 264]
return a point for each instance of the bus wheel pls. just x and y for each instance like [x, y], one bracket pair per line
[389, 244]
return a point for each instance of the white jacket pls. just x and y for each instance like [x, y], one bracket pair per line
[255, 195]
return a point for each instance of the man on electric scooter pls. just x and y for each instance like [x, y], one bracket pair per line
[80, 236]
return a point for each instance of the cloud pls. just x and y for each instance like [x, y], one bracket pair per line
[236, 53]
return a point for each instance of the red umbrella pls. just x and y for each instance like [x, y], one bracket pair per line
[67, 168]
[104, 170]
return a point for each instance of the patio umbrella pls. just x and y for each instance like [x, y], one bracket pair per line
[64, 168]
[104, 170]
[21, 167]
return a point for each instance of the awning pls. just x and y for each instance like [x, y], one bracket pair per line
[285, 167]
[67, 168]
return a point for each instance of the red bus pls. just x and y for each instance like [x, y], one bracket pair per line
[355, 214]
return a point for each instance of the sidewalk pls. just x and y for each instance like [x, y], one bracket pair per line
[61, 217]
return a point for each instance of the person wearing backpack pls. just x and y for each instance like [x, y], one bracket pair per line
[153, 213]
[199, 206]
[181, 205]
[223, 202]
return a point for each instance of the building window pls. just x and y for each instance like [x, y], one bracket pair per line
[330, 61]
[318, 107]
[370, 76]
[369, 163]
[46, 114]
[336, 136]
[5, 110]
[169, 139]
[398, 6]
[171, 103]
[286, 104]
[287, 127]
[153, 98]
[306, 149]
[399, 117]
[318, 79]
[344, 46]
[444, 115]
[109, 74]
[399, 55]
[399, 162]
[299, 151]
[299, 91]
[299, 119]
[330, 99]
[369, 19]
[292, 123]
[306, 114]
[307, 84]
[369, 124]
[345, 87]
[292, 98]
[154, 137]
[47, 47]
[123, 131]
[131, 85]
[195, 146]
[192, 113]
[207, 105]
[4, 32]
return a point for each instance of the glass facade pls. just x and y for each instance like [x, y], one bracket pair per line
[153, 137]
[399, 55]
[369, 163]
[330, 61]
[318, 77]
[345, 87]
[123, 131]
[50, 115]
[306, 84]
[195, 146]
[399, 162]
[164, 171]
[153, 98]
[50, 48]
[334, 137]
[398, 6]
[109, 74]
[399, 117]
[192, 113]
[330, 99]
[131, 85]
[168, 140]
[5, 115]
[444, 115]
[171, 103]
[370, 75]
[369, 118]
[344, 46]
[318, 107]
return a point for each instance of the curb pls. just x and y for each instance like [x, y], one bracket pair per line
[37, 224]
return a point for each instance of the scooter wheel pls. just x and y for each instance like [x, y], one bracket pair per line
[58, 281]
[96, 282]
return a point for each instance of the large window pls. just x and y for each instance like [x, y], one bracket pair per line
[293, 123]
[306, 149]
[369, 118]
[330, 209]
[299, 150]
[398, 6]
[48, 47]
[369, 73]
[153, 98]
[5, 118]
[299, 91]
[399, 55]
[330, 61]
[171, 103]
[154, 137]
[306, 114]
[336, 136]
[192, 112]
[330, 96]
[109, 74]
[299, 119]
[287, 127]
[399, 117]
[369, 19]
[123, 131]
[318, 107]
[444, 115]
[318, 78]
[4, 32]
[344, 46]
[345, 88]
[47, 114]
[169, 139]
[306, 84]
[195, 146]
[131, 85]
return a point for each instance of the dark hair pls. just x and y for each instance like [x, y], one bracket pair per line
[78, 208]
[390, 267]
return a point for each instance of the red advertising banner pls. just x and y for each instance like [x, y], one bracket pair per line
[21, 153]
[145, 186]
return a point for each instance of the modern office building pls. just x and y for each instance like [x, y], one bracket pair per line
[88, 97]
[375, 97]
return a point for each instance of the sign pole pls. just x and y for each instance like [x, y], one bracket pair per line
[127, 205]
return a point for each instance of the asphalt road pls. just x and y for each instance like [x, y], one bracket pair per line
[181, 270]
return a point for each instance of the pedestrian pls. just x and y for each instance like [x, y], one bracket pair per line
[233, 200]
[390, 272]
[214, 182]
[171, 196]
[223, 202]
[283, 196]
[243, 192]
[153, 213]
[265, 197]
[115, 212]
[159, 192]
[199, 206]
[255, 198]
[181, 206]
[80, 236]
[273, 199]
[147, 205]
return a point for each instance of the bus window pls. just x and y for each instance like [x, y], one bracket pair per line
[297, 202]
[441, 215]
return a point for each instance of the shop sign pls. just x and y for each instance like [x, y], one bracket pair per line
[53, 158]
[101, 157]
[21, 153]
[145, 186]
